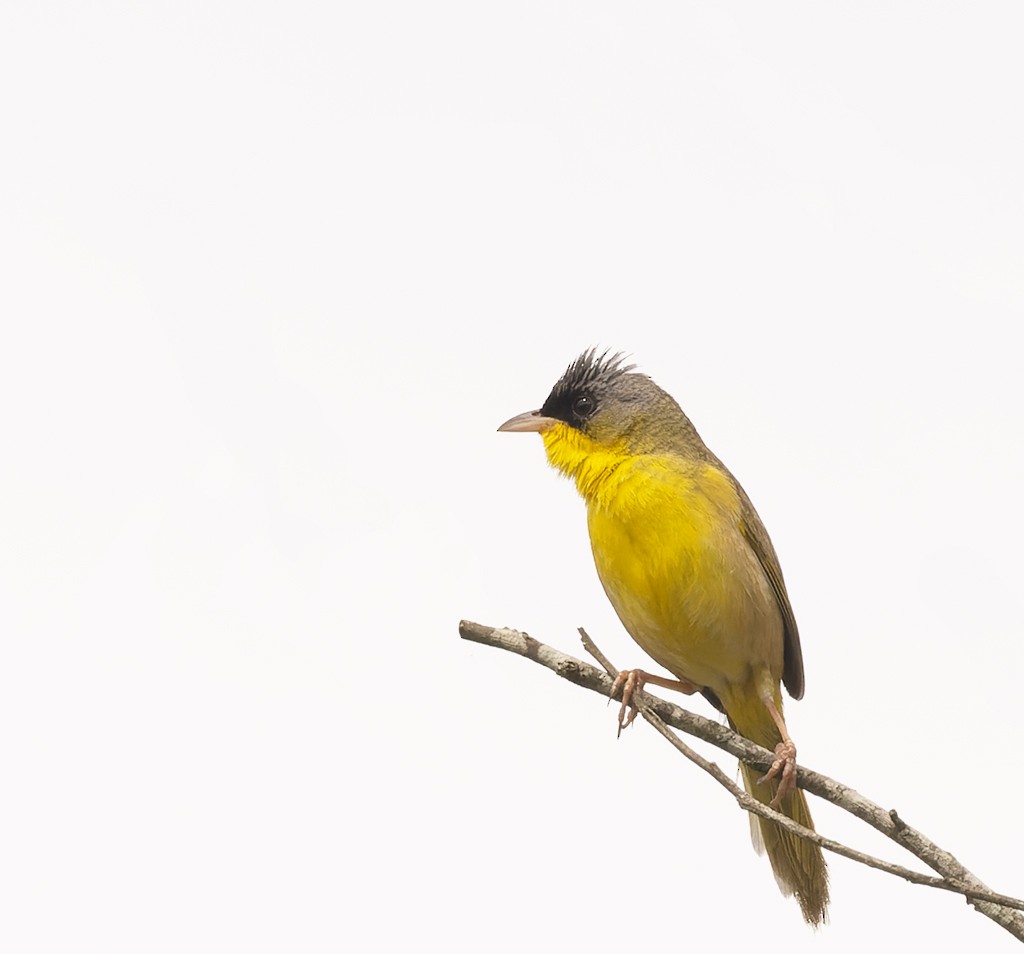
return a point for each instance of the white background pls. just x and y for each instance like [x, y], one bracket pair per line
[272, 274]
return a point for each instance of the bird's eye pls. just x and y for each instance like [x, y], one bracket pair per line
[583, 406]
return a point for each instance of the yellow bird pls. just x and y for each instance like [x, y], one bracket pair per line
[690, 570]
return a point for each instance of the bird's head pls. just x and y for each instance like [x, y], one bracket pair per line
[601, 409]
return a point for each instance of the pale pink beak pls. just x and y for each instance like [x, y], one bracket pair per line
[530, 421]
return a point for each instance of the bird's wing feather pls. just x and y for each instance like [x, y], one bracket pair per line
[756, 535]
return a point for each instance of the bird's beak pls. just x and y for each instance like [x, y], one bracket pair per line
[530, 421]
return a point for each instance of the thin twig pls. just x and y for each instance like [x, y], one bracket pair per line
[591, 647]
[1002, 909]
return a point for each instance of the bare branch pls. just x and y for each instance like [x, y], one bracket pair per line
[1002, 909]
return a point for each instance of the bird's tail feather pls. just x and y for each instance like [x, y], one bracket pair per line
[799, 864]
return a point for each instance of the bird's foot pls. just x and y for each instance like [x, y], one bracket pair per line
[784, 769]
[630, 681]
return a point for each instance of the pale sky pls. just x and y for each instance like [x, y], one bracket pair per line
[272, 276]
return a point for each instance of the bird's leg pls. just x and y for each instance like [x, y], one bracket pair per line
[633, 680]
[784, 766]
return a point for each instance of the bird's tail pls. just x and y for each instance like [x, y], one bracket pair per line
[798, 864]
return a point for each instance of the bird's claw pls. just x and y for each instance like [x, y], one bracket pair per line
[629, 681]
[784, 769]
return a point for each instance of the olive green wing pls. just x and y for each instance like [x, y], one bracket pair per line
[756, 535]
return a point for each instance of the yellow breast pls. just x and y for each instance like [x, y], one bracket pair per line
[665, 534]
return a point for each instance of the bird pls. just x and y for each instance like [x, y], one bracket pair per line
[693, 576]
